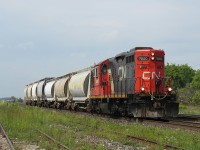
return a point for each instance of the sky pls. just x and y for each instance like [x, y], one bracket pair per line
[50, 38]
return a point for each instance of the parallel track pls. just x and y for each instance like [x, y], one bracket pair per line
[143, 140]
[140, 139]
[173, 123]
[192, 126]
[187, 125]
[5, 143]
[188, 117]
[53, 140]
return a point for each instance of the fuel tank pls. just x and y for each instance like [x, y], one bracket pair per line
[79, 85]
[61, 89]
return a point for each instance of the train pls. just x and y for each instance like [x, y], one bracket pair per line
[132, 83]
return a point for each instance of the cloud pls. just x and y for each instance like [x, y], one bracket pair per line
[102, 23]
[110, 35]
[78, 56]
[50, 37]
[1, 46]
[26, 45]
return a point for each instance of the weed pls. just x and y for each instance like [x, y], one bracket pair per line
[20, 122]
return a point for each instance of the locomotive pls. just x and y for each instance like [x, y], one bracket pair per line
[132, 83]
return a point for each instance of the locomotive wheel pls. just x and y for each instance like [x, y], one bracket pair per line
[98, 110]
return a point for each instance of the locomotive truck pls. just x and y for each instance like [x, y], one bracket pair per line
[132, 83]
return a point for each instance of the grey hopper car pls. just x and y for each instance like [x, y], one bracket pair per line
[34, 92]
[40, 90]
[49, 90]
[79, 85]
[29, 92]
[26, 94]
[61, 89]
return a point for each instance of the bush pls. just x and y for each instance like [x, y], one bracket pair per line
[196, 98]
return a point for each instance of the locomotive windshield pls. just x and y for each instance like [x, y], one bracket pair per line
[159, 58]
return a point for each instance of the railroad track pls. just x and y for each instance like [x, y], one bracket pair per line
[168, 123]
[60, 145]
[5, 143]
[188, 117]
[139, 139]
[143, 140]
[189, 124]
[192, 126]
[131, 137]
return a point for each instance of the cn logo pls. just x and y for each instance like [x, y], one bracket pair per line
[150, 75]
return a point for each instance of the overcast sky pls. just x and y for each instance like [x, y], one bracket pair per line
[44, 38]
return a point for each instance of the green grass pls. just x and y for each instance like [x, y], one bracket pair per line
[189, 109]
[70, 129]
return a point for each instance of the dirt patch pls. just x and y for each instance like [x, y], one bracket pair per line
[3, 143]
[25, 146]
[109, 144]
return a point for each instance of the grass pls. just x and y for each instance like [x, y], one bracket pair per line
[70, 129]
[189, 109]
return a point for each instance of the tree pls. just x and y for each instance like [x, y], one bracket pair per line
[196, 85]
[181, 74]
[13, 98]
[185, 95]
[196, 98]
[196, 80]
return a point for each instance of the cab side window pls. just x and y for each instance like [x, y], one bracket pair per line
[104, 69]
[129, 59]
[96, 72]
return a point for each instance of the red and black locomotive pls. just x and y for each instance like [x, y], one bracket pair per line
[132, 83]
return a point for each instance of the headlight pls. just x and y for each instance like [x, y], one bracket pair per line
[142, 89]
[152, 54]
[169, 89]
[152, 58]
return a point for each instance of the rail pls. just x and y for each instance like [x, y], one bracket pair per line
[188, 117]
[53, 140]
[166, 146]
[2, 131]
[194, 126]
[152, 142]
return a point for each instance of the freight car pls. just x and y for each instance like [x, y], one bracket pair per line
[132, 83]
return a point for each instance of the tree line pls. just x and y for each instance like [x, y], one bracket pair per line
[186, 82]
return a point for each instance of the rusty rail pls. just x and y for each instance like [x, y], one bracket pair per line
[188, 117]
[180, 124]
[166, 146]
[185, 124]
[53, 140]
[2, 131]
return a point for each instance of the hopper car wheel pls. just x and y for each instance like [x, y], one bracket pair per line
[58, 106]
[76, 108]
[98, 111]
